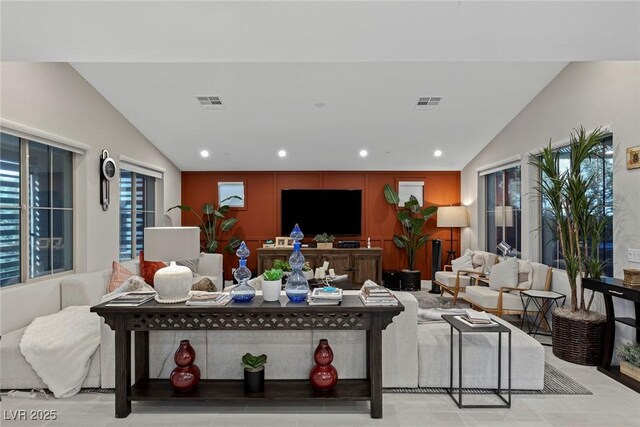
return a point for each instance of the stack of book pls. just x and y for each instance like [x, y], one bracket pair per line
[325, 296]
[377, 296]
[476, 318]
[132, 299]
[208, 299]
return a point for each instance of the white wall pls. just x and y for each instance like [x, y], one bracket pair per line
[590, 94]
[54, 98]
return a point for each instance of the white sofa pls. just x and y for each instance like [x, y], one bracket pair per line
[408, 348]
[20, 304]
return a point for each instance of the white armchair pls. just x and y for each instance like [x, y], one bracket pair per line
[456, 283]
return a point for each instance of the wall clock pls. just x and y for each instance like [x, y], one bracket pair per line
[108, 171]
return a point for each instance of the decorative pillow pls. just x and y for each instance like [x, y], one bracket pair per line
[504, 273]
[148, 268]
[462, 263]
[204, 284]
[118, 276]
[525, 275]
[133, 283]
[478, 261]
[192, 264]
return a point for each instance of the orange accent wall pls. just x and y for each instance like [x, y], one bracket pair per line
[260, 219]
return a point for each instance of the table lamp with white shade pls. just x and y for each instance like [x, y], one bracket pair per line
[171, 244]
[452, 216]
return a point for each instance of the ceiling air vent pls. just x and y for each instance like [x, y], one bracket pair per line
[210, 102]
[428, 103]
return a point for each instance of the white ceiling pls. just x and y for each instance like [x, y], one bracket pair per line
[271, 61]
[269, 107]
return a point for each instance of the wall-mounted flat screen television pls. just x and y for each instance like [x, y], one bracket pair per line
[337, 212]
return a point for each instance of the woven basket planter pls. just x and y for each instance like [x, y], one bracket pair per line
[578, 341]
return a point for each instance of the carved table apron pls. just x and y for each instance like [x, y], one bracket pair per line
[254, 315]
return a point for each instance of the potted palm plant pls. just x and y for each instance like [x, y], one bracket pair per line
[574, 211]
[412, 219]
[213, 222]
[254, 372]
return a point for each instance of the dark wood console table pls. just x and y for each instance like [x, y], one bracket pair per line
[254, 315]
[358, 264]
[610, 288]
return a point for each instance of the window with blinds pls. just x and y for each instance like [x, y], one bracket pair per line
[38, 240]
[137, 211]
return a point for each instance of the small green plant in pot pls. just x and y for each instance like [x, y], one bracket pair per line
[629, 355]
[272, 284]
[254, 372]
[324, 241]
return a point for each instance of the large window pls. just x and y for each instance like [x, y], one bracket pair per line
[36, 216]
[601, 169]
[137, 211]
[503, 210]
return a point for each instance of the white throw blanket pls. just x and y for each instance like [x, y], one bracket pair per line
[59, 347]
[428, 315]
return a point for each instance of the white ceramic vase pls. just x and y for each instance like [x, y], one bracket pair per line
[271, 289]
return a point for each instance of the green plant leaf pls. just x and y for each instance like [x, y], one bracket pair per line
[211, 246]
[233, 244]
[429, 211]
[400, 241]
[218, 214]
[181, 207]
[207, 209]
[222, 210]
[422, 241]
[228, 224]
[390, 195]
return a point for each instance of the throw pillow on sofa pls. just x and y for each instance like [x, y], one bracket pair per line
[463, 263]
[132, 284]
[192, 264]
[503, 274]
[118, 276]
[148, 268]
[525, 275]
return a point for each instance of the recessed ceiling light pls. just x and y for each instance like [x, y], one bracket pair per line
[204, 153]
[282, 153]
[437, 153]
[364, 153]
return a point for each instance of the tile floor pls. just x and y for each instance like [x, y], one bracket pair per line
[610, 405]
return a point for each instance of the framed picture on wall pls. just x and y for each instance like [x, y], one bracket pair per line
[633, 157]
[284, 242]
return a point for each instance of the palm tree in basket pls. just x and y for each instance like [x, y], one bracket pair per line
[574, 211]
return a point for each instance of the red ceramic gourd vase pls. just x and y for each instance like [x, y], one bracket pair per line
[324, 375]
[186, 375]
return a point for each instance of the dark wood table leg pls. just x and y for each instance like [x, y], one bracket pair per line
[141, 355]
[610, 333]
[123, 367]
[375, 365]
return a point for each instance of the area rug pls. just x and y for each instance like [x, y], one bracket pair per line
[555, 382]
[428, 300]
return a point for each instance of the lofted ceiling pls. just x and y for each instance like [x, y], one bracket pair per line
[365, 63]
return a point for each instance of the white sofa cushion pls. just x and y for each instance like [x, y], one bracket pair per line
[503, 274]
[479, 358]
[448, 278]
[486, 297]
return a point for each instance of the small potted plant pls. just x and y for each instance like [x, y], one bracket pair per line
[629, 355]
[286, 268]
[324, 241]
[271, 284]
[254, 372]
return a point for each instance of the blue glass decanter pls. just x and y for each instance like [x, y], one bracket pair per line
[297, 286]
[243, 291]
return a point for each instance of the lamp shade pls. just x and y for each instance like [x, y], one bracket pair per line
[171, 243]
[504, 216]
[452, 216]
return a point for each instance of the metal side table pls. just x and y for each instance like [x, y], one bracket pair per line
[464, 328]
[543, 302]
